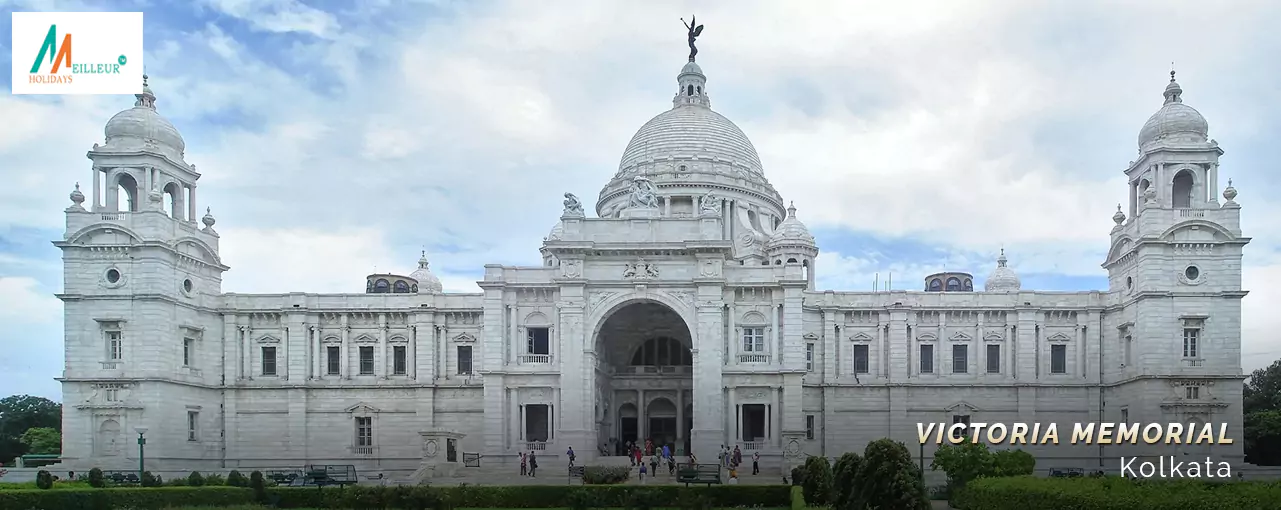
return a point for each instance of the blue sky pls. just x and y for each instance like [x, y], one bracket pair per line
[336, 138]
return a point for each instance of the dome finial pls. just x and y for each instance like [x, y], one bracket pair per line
[791, 209]
[77, 198]
[146, 99]
[1173, 92]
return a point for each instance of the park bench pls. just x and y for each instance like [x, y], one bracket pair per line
[122, 478]
[471, 459]
[1066, 472]
[330, 474]
[699, 473]
[576, 473]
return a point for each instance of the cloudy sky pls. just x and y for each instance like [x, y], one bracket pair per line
[913, 136]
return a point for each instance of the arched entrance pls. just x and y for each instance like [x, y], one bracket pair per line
[645, 377]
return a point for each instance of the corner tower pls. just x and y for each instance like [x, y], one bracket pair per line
[1175, 264]
[142, 283]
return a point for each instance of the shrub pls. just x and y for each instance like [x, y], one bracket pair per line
[235, 479]
[259, 486]
[215, 479]
[44, 480]
[888, 478]
[1012, 463]
[195, 479]
[95, 478]
[963, 462]
[150, 480]
[126, 497]
[597, 475]
[818, 481]
[843, 479]
[798, 475]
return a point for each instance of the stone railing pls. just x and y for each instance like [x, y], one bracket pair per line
[111, 365]
[754, 445]
[535, 446]
[534, 359]
[657, 370]
[753, 358]
[1191, 213]
[364, 451]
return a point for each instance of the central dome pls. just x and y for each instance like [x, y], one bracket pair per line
[690, 132]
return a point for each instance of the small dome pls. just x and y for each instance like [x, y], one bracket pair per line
[428, 283]
[791, 231]
[1175, 121]
[140, 126]
[690, 131]
[557, 232]
[692, 68]
[1002, 279]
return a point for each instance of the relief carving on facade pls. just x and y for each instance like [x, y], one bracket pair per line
[685, 297]
[640, 270]
[572, 268]
[710, 269]
[595, 299]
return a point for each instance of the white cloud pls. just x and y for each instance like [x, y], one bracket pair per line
[459, 125]
[25, 303]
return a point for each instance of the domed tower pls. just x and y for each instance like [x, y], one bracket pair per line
[1002, 279]
[792, 243]
[141, 290]
[428, 283]
[689, 153]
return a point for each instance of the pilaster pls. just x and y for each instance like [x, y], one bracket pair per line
[901, 347]
[578, 377]
[709, 401]
[1029, 351]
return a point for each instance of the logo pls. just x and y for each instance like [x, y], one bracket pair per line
[106, 59]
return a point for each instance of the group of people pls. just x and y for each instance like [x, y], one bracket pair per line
[731, 460]
[657, 455]
[529, 461]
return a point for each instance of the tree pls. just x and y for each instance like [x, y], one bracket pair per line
[20, 413]
[843, 490]
[1262, 408]
[888, 478]
[963, 462]
[817, 485]
[42, 441]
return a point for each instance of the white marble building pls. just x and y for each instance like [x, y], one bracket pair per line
[685, 310]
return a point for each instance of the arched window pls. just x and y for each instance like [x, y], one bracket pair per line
[662, 351]
[402, 287]
[936, 285]
[791, 260]
[969, 284]
[778, 262]
[953, 284]
[1181, 189]
[689, 91]
[382, 286]
[126, 193]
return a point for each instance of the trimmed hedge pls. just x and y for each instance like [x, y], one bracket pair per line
[406, 497]
[1115, 493]
[124, 497]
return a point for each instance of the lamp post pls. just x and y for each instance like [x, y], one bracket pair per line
[142, 446]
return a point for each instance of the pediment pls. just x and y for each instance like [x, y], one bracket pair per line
[363, 408]
[962, 406]
[753, 319]
[961, 337]
[927, 337]
[993, 337]
[1059, 337]
[811, 336]
[465, 337]
[365, 339]
[268, 339]
[861, 337]
[1119, 248]
[398, 339]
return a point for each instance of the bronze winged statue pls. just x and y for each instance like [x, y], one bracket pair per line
[694, 30]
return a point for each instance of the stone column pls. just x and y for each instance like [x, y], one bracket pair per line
[771, 429]
[1213, 192]
[734, 427]
[344, 351]
[380, 355]
[642, 421]
[247, 358]
[97, 191]
[776, 346]
[442, 345]
[511, 334]
[191, 205]
[411, 352]
[516, 418]
[680, 417]
[709, 357]
[733, 337]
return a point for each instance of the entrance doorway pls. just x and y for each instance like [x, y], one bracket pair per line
[646, 371]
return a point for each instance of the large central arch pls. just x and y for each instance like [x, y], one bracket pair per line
[644, 373]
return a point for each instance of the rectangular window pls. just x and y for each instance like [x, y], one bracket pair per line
[464, 359]
[115, 346]
[809, 427]
[1129, 343]
[1125, 415]
[193, 420]
[269, 361]
[1193, 392]
[960, 359]
[1058, 359]
[754, 340]
[860, 359]
[364, 431]
[961, 418]
[809, 357]
[188, 352]
[112, 395]
[927, 358]
[398, 359]
[366, 360]
[1190, 340]
[538, 341]
[993, 358]
[333, 360]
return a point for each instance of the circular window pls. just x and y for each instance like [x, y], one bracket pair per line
[187, 285]
[113, 275]
[1192, 272]
[1129, 282]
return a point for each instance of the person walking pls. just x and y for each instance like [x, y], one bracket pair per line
[571, 456]
[533, 464]
[756, 463]
[524, 464]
